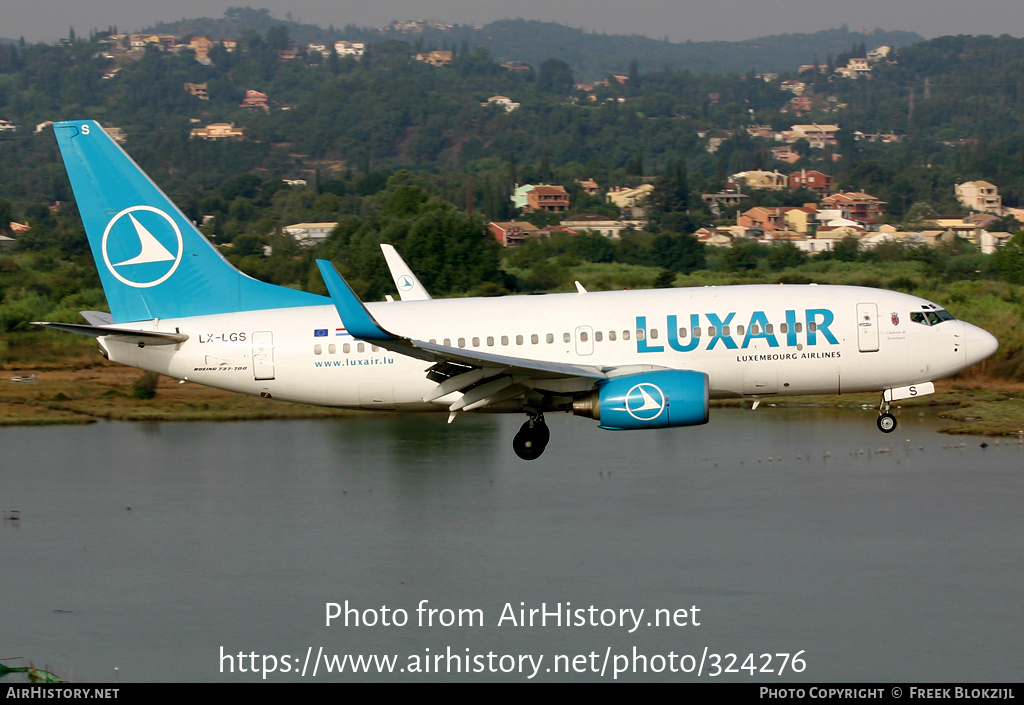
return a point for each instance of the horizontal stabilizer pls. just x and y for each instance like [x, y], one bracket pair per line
[140, 337]
[97, 318]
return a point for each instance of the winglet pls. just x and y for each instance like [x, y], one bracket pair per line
[409, 287]
[357, 319]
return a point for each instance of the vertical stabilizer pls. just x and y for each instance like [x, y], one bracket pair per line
[152, 260]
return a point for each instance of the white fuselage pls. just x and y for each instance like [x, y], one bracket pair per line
[750, 340]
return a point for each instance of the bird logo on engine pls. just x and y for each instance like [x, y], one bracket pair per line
[645, 401]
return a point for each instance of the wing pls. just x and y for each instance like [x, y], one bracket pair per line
[483, 378]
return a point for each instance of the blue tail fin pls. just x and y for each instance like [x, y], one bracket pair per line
[152, 260]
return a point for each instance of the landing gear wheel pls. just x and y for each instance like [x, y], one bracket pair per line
[886, 423]
[532, 439]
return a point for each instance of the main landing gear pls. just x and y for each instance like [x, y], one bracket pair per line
[886, 421]
[532, 438]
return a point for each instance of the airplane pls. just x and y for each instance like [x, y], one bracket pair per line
[628, 359]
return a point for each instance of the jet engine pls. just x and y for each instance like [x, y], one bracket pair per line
[656, 399]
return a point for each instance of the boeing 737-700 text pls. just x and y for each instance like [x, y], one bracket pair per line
[629, 359]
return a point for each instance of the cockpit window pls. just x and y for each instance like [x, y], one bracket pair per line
[931, 318]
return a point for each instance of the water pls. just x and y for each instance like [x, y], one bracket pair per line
[157, 548]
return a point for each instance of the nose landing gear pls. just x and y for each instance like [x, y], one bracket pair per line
[886, 421]
[532, 438]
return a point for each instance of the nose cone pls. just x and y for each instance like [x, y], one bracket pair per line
[981, 344]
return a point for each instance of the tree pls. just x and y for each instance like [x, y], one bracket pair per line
[1008, 260]
[555, 76]
[677, 252]
[671, 191]
[784, 256]
[744, 256]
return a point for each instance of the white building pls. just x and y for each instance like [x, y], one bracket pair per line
[355, 49]
[979, 196]
[309, 233]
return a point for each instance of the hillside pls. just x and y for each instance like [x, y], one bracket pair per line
[592, 56]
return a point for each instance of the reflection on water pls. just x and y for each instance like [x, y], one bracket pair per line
[148, 547]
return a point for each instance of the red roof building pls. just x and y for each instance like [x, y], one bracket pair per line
[810, 179]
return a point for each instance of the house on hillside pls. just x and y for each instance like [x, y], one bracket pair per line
[256, 101]
[763, 180]
[201, 46]
[309, 233]
[855, 205]
[199, 90]
[818, 136]
[500, 101]
[602, 225]
[218, 131]
[979, 196]
[810, 179]
[354, 49]
[542, 197]
[512, 233]
[624, 197]
[435, 58]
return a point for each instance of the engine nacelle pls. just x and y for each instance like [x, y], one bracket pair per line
[648, 400]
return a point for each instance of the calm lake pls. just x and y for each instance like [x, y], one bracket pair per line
[801, 541]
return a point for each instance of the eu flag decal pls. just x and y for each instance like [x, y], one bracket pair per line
[320, 333]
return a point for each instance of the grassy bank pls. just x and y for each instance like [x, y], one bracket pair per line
[106, 391]
[84, 392]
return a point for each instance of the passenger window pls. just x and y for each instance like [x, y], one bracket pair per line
[374, 348]
[755, 329]
[812, 327]
[566, 337]
[504, 340]
[332, 348]
[739, 330]
[654, 333]
[550, 337]
[611, 335]
[317, 349]
[783, 328]
[725, 330]
[346, 348]
[798, 327]
[696, 331]
[640, 334]
[476, 342]
[625, 335]
[712, 331]
[683, 333]
[360, 347]
[448, 342]
[534, 339]
[462, 342]
[768, 329]
[519, 340]
[433, 341]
